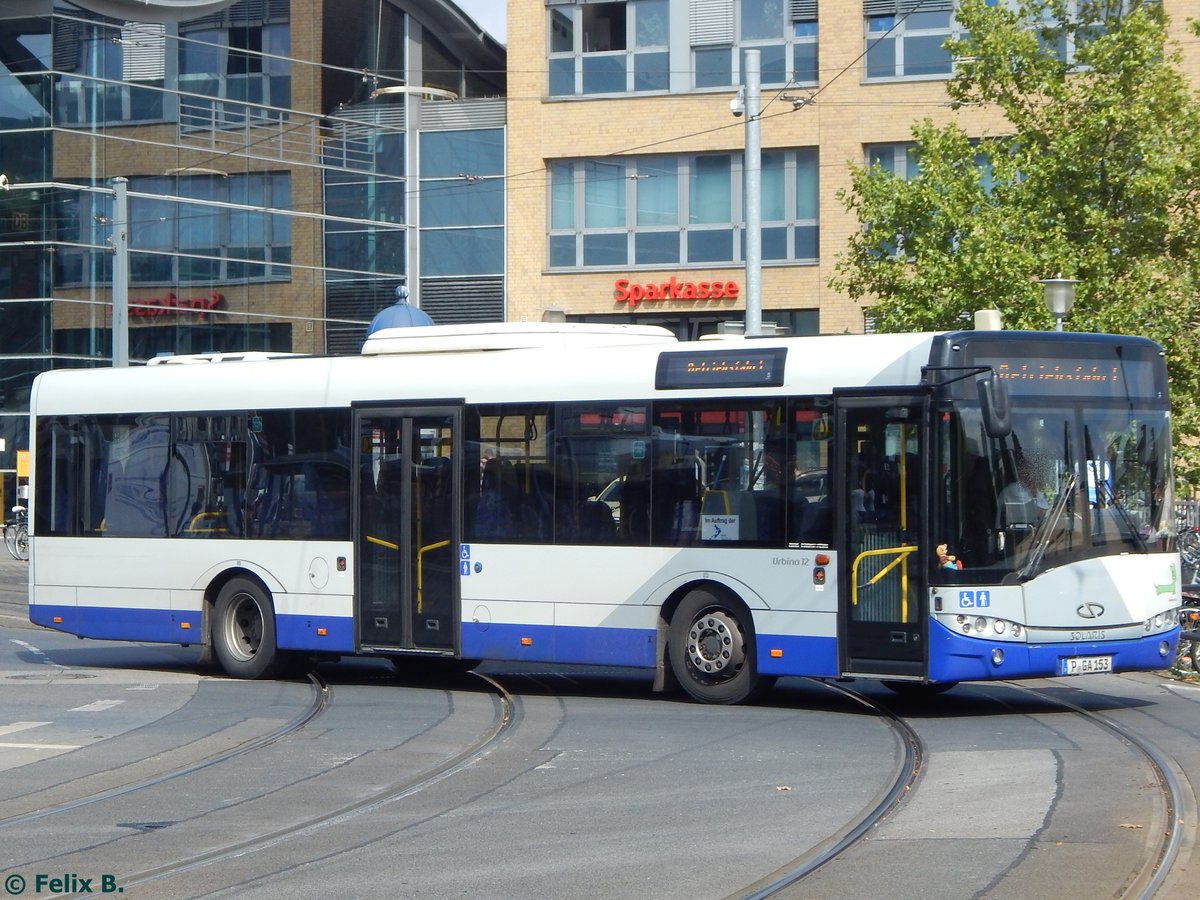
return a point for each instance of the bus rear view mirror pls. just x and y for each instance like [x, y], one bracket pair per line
[1147, 448]
[993, 403]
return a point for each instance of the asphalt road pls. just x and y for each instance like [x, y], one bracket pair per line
[129, 762]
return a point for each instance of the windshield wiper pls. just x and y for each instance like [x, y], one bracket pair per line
[1046, 527]
[1114, 503]
[1105, 492]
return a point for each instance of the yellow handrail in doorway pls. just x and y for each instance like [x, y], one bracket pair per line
[420, 570]
[901, 554]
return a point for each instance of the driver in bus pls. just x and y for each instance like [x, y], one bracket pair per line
[1022, 503]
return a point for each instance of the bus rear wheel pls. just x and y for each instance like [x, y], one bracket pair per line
[711, 648]
[243, 632]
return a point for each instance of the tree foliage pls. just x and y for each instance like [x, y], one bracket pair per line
[1094, 176]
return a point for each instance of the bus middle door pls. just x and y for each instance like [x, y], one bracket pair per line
[883, 620]
[408, 529]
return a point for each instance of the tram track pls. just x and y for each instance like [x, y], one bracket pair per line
[319, 699]
[908, 772]
[1143, 884]
[507, 716]
[1146, 883]
[369, 821]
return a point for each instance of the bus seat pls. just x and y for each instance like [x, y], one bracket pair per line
[596, 522]
[769, 507]
[811, 522]
[535, 483]
[635, 510]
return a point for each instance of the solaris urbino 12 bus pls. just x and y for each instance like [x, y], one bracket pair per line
[922, 509]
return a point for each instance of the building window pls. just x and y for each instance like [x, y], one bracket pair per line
[900, 160]
[366, 238]
[113, 72]
[462, 203]
[785, 34]
[609, 47]
[229, 76]
[661, 211]
[906, 39]
[173, 241]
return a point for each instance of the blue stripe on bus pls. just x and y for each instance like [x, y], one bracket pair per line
[300, 633]
[170, 626]
[167, 626]
[955, 657]
[798, 655]
[591, 645]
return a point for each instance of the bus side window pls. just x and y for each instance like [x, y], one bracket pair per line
[809, 505]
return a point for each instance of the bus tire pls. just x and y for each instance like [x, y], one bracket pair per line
[711, 647]
[243, 633]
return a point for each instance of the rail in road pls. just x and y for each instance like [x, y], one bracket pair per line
[463, 754]
[1140, 868]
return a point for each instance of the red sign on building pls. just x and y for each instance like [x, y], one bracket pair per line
[627, 291]
[170, 304]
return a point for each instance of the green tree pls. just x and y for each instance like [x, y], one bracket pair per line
[1095, 176]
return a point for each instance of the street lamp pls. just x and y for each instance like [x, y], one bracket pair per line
[1059, 296]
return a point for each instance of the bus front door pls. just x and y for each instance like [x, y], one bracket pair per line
[408, 529]
[883, 619]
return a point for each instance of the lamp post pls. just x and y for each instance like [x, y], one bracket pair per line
[1059, 296]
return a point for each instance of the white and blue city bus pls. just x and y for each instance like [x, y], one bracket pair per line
[719, 513]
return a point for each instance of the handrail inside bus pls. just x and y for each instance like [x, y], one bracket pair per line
[901, 554]
[420, 570]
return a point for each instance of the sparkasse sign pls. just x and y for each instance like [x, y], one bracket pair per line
[627, 291]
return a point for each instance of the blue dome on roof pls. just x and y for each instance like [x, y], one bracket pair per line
[399, 315]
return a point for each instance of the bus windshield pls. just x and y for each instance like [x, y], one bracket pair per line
[1071, 481]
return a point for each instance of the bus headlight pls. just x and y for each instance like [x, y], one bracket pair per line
[985, 626]
[997, 656]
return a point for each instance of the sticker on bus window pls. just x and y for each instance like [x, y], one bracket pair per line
[718, 528]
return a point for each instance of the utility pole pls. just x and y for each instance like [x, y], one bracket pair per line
[752, 173]
[120, 273]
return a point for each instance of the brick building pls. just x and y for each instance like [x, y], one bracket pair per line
[622, 144]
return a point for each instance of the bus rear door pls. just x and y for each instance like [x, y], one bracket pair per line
[409, 490]
[883, 621]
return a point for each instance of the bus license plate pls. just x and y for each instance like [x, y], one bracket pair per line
[1085, 665]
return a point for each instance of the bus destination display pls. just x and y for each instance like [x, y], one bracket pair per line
[1075, 377]
[743, 367]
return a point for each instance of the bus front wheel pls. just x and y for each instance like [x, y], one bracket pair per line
[711, 647]
[244, 631]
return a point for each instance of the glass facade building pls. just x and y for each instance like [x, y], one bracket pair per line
[287, 165]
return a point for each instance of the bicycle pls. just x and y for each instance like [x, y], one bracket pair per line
[1187, 656]
[1188, 541]
[16, 534]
